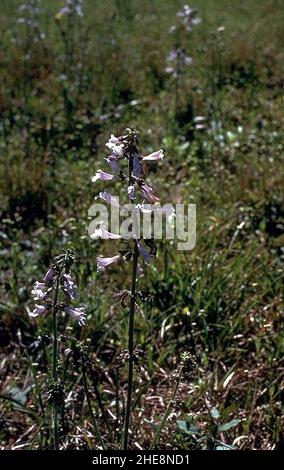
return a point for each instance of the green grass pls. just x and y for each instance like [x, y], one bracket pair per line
[223, 301]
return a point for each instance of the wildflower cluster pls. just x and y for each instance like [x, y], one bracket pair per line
[188, 18]
[178, 59]
[124, 149]
[28, 15]
[58, 278]
[72, 7]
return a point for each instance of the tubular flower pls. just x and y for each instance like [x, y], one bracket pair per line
[77, 313]
[115, 145]
[148, 193]
[69, 287]
[102, 263]
[102, 175]
[159, 155]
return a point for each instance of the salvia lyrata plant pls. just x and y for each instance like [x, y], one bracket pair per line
[126, 163]
[55, 294]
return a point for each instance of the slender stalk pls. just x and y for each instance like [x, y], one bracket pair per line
[117, 421]
[100, 402]
[131, 317]
[87, 393]
[131, 345]
[54, 366]
[168, 410]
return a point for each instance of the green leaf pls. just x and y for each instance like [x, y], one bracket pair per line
[215, 413]
[229, 425]
[186, 428]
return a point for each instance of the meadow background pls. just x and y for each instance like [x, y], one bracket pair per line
[64, 88]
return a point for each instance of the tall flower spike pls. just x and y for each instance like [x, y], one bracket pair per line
[126, 148]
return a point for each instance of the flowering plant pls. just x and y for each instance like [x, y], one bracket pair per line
[46, 293]
[125, 149]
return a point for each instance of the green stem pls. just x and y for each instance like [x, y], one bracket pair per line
[87, 393]
[168, 410]
[100, 402]
[117, 421]
[54, 366]
[131, 345]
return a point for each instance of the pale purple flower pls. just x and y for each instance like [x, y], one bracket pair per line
[102, 175]
[101, 232]
[113, 200]
[40, 291]
[177, 61]
[102, 263]
[116, 146]
[113, 163]
[50, 275]
[144, 253]
[69, 287]
[173, 55]
[38, 310]
[148, 193]
[159, 155]
[131, 191]
[78, 313]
